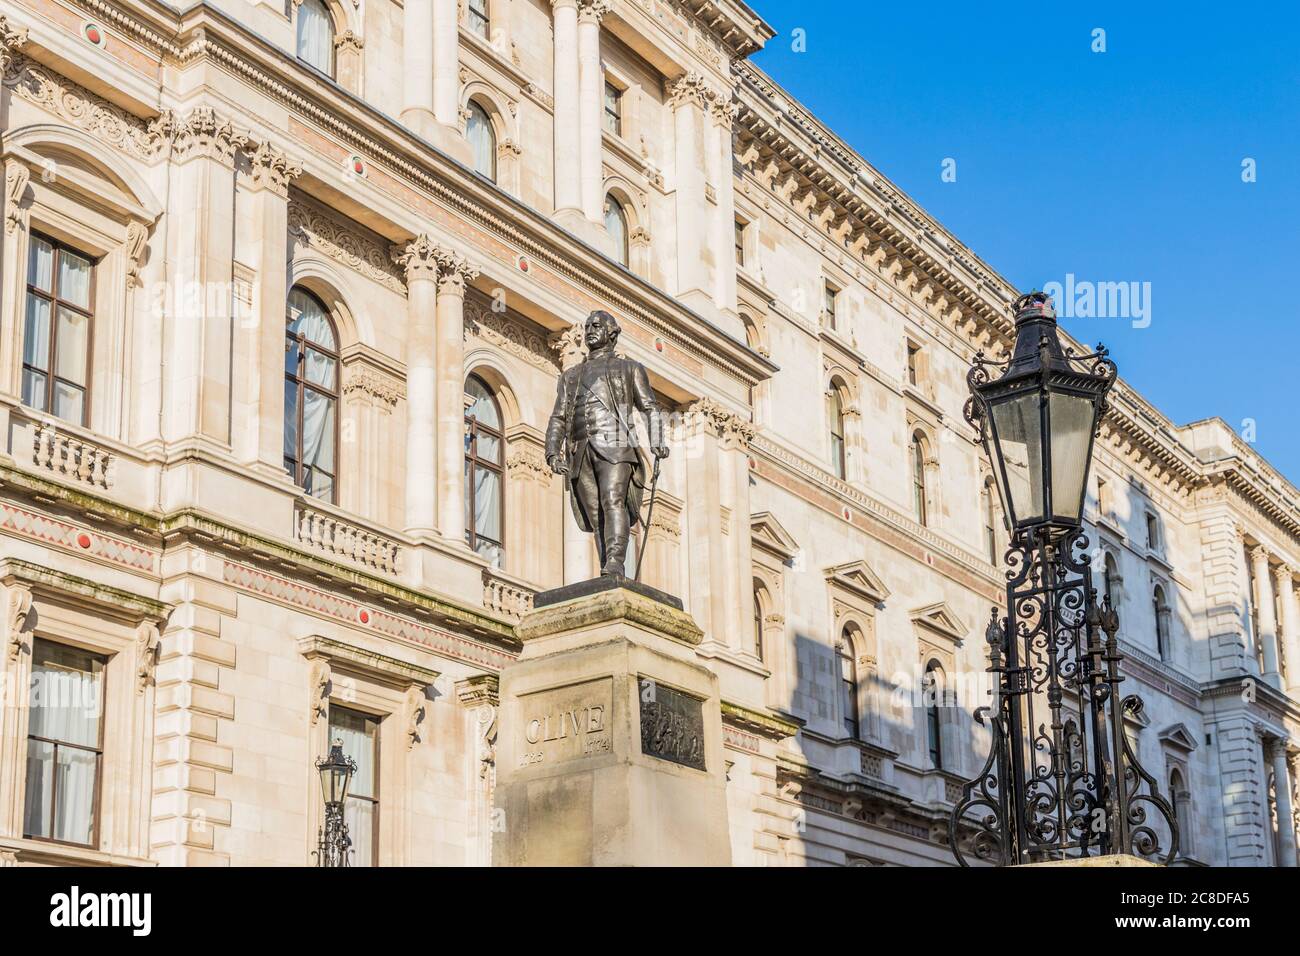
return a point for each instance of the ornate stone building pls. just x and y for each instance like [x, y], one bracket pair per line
[286, 289]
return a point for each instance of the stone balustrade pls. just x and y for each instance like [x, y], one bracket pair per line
[68, 456]
[506, 596]
[321, 531]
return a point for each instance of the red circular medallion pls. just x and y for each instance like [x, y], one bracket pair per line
[83, 540]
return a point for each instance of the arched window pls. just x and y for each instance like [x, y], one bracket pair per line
[316, 36]
[917, 455]
[311, 395]
[1181, 798]
[932, 689]
[835, 422]
[849, 684]
[988, 508]
[56, 332]
[484, 475]
[1110, 579]
[482, 141]
[616, 226]
[760, 601]
[1161, 607]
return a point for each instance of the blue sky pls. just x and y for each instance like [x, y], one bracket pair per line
[1118, 166]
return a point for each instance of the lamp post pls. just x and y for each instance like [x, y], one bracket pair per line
[333, 845]
[1061, 780]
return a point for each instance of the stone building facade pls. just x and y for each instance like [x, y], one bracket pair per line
[286, 288]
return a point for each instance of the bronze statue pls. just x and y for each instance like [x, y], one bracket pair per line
[591, 440]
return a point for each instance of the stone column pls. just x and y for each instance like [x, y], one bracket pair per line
[1285, 585]
[579, 553]
[722, 112]
[446, 62]
[420, 260]
[687, 98]
[707, 551]
[417, 66]
[453, 273]
[1265, 615]
[532, 529]
[261, 350]
[736, 436]
[591, 81]
[200, 239]
[568, 169]
[1286, 842]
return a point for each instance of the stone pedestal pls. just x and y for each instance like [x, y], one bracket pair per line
[610, 749]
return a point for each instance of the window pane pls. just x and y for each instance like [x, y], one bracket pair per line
[36, 333]
[64, 695]
[72, 342]
[40, 264]
[488, 446]
[74, 808]
[320, 369]
[616, 226]
[494, 554]
[69, 403]
[291, 420]
[487, 503]
[359, 815]
[40, 789]
[484, 407]
[74, 279]
[319, 484]
[318, 430]
[306, 316]
[356, 732]
[482, 142]
[34, 390]
[315, 35]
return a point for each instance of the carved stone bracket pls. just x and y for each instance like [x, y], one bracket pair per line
[18, 608]
[16, 178]
[146, 654]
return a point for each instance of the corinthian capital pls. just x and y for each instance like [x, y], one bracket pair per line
[454, 271]
[272, 169]
[689, 88]
[591, 11]
[418, 258]
[12, 39]
[203, 133]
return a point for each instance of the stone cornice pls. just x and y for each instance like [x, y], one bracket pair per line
[762, 723]
[733, 24]
[113, 601]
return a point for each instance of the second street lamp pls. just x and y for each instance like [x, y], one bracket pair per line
[1062, 779]
[333, 845]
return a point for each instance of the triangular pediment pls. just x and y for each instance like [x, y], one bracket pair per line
[857, 577]
[1177, 735]
[943, 620]
[768, 533]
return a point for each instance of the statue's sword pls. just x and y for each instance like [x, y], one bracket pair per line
[645, 527]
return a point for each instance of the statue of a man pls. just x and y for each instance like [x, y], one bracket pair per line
[591, 440]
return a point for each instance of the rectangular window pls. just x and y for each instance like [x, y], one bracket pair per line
[359, 735]
[56, 330]
[740, 242]
[64, 744]
[913, 363]
[478, 19]
[1153, 532]
[828, 309]
[613, 109]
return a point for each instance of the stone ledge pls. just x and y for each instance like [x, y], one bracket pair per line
[615, 605]
[1100, 862]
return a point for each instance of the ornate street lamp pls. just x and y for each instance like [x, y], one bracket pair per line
[333, 845]
[1061, 780]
